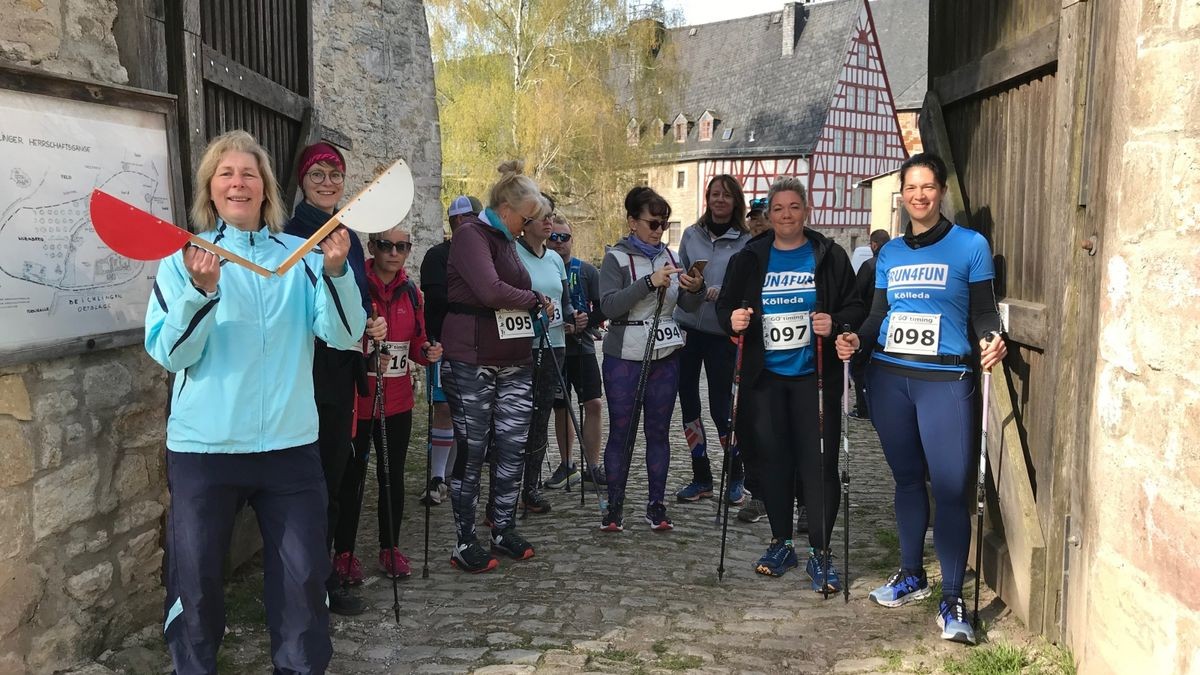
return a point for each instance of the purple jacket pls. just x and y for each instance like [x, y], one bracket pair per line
[484, 273]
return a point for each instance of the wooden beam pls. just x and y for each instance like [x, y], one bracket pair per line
[1025, 322]
[233, 76]
[1036, 51]
[936, 140]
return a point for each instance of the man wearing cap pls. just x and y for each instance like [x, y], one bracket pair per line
[433, 285]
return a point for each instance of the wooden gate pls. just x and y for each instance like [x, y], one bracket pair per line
[1011, 85]
[243, 64]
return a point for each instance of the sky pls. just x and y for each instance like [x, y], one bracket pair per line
[707, 11]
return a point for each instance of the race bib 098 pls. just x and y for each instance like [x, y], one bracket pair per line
[911, 333]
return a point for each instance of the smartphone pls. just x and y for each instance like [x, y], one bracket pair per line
[697, 268]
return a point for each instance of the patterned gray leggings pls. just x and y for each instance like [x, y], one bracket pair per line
[491, 407]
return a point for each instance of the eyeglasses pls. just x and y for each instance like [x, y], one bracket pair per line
[335, 177]
[655, 224]
[386, 246]
[560, 236]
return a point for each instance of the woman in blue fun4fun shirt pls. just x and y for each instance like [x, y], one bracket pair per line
[796, 286]
[931, 286]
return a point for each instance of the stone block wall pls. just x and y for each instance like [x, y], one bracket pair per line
[373, 77]
[1142, 535]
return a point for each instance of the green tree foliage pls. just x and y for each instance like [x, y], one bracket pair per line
[554, 83]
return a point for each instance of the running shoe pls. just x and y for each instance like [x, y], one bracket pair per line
[612, 519]
[564, 475]
[735, 495]
[394, 564]
[952, 619]
[512, 544]
[435, 493]
[348, 569]
[656, 517]
[779, 558]
[345, 603]
[817, 561]
[903, 587]
[752, 512]
[694, 492]
[472, 558]
[595, 475]
[533, 501]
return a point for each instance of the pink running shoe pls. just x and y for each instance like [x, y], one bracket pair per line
[394, 564]
[348, 569]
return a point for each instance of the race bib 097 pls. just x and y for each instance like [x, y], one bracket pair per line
[791, 330]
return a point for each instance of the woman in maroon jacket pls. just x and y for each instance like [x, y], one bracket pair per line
[396, 298]
[488, 374]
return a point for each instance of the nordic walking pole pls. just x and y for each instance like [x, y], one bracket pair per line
[574, 422]
[543, 343]
[821, 432]
[980, 482]
[640, 392]
[733, 408]
[583, 460]
[432, 371]
[846, 470]
[387, 479]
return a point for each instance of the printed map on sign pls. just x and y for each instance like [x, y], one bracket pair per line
[58, 280]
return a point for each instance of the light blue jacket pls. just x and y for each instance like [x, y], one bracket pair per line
[243, 355]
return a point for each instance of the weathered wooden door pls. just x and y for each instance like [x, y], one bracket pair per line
[243, 64]
[1007, 82]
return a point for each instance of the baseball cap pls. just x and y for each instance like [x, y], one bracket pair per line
[461, 205]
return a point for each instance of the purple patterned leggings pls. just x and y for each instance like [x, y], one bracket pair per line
[662, 386]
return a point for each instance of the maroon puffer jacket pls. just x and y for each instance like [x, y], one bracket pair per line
[484, 273]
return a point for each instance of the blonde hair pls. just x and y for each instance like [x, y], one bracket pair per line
[558, 219]
[515, 188]
[204, 213]
[787, 184]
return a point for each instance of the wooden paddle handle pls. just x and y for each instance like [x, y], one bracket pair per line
[308, 245]
[229, 255]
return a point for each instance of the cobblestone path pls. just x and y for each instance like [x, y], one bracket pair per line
[638, 601]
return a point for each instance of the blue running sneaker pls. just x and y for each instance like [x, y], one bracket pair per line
[817, 572]
[952, 619]
[694, 492]
[779, 558]
[903, 587]
[735, 494]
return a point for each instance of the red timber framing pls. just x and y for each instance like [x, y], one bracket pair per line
[861, 136]
[755, 175]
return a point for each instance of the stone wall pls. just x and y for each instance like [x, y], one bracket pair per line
[82, 478]
[1142, 533]
[374, 83]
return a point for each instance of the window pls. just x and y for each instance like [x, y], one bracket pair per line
[866, 193]
[860, 143]
[673, 232]
[872, 101]
[706, 127]
[862, 100]
[680, 179]
[855, 194]
[837, 140]
[850, 99]
[680, 132]
[862, 54]
[727, 134]
[643, 180]
[839, 192]
[870, 144]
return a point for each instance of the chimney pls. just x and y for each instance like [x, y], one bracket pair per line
[793, 22]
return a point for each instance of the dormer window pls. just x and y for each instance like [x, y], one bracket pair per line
[707, 122]
[679, 127]
[632, 132]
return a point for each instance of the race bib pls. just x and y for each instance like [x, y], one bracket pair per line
[395, 360]
[791, 330]
[514, 323]
[911, 333]
[667, 334]
[557, 318]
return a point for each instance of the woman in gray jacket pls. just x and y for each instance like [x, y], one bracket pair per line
[631, 276]
[719, 234]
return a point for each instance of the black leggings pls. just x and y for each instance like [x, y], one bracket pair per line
[782, 411]
[399, 427]
[545, 383]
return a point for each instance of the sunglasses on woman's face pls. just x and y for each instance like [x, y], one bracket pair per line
[560, 236]
[655, 224]
[385, 246]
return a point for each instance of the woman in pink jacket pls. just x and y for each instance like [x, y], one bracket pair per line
[396, 298]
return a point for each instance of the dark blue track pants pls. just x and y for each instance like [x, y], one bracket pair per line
[286, 489]
[928, 426]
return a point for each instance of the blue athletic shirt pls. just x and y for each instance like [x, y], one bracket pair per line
[789, 288]
[547, 275]
[931, 281]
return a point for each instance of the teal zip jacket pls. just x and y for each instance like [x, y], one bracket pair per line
[243, 355]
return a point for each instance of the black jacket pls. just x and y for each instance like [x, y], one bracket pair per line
[835, 295]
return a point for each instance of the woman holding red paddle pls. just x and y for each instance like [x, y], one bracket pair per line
[243, 422]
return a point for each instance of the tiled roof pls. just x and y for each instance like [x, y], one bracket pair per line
[903, 30]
